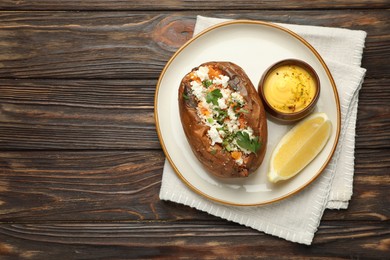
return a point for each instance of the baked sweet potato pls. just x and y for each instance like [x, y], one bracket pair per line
[223, 119]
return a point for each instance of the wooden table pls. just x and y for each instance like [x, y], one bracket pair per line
[80, 161]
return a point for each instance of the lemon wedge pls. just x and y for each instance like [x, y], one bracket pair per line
[299, 147]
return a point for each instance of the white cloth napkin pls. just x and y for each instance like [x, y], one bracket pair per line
[297, 218]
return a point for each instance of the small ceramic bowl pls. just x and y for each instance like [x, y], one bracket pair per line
[286, 77]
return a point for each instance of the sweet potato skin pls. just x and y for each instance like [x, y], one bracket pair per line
[219, 162]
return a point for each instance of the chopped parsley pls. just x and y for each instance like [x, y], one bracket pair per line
[228, 140]
[222, 114]
[245, 142]
[213, 96]
[207, 83]
[242, 110]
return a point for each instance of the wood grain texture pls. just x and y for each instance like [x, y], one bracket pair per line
[187, 5]
[118, 114]
[49, 114]
[120, 186]
[132, 45]
[187, 239]
[80, 161]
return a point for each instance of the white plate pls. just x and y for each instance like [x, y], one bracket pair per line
[254, 46]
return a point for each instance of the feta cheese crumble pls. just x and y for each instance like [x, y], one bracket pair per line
[202, 73]
[197, 89]
[222, 80]
[214, 135]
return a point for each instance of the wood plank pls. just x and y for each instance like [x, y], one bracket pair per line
[187, 239]
[373, 128]
[131, 45]
[187, 5]
[37, 187]
[82, 185]
[118, 114]
[48, 114]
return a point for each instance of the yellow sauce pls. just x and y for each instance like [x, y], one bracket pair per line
[289, 88]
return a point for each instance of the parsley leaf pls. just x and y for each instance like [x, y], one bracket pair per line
[213, 96]
[207, 83]
[244, 141]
